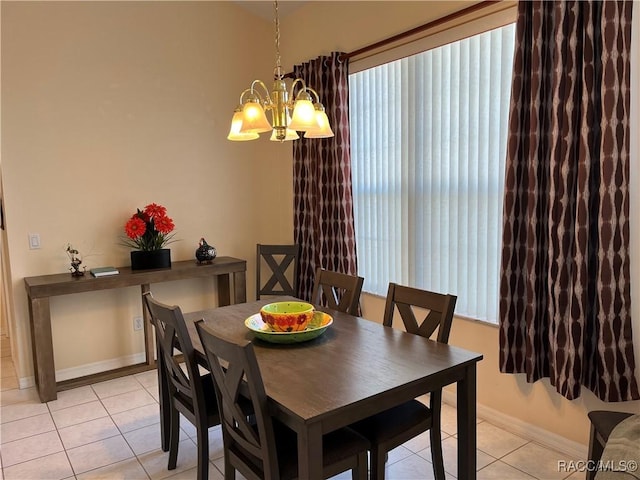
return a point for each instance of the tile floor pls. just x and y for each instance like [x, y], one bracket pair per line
[111, 430]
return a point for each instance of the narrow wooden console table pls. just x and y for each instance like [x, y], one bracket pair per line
[41, 288]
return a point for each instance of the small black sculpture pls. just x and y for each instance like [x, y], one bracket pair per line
[74, 256]
[205, 252]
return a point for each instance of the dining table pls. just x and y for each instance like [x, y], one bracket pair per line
[355, 369]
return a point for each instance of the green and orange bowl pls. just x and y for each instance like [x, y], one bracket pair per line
[287, 316]
[315, 328]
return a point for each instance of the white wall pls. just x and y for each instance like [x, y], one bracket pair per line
[109, 106]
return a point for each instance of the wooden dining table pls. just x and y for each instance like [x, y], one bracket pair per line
[355, 369]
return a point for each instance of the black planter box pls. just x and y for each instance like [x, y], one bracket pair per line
[141, 260]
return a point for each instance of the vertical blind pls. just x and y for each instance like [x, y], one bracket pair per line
[428, 145]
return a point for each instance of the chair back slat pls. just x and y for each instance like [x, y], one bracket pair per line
[408, 318]
[337, 291]
[439, 316]
[432, 321]
[237, 378]
[281, 262]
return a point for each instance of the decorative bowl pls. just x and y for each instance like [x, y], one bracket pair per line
[316, 327]
[287, 316]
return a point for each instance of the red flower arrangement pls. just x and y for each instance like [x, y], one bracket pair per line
[149, 229]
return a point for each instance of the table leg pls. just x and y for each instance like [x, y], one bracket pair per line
[224, 290]
[240, 287]
[310, 452]
[42, 348]
[467, 424]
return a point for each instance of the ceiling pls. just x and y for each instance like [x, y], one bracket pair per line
[264, 8]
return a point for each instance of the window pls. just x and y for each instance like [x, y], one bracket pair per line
[428, 145]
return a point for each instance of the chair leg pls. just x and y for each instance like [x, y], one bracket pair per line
[165, 405]
[436, 453]
[174, 437]
[595, 452]
[229, 471]
[362, 467]
[378, 462]
[203, 451]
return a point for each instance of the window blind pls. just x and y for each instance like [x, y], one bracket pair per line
[428, 141]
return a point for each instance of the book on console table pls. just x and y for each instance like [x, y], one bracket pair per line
[104, 271]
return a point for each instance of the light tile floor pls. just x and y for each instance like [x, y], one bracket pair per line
[111, 430]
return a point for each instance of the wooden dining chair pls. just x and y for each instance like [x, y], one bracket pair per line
[188, 393]
[260, 447]
[393, 427]
[338, 291]
[275, 266]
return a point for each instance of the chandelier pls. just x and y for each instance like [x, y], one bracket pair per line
[290, 113]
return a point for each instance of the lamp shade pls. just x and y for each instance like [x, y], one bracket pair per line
[236, 124]
[303, 117]
[324, 129]
[254, 120]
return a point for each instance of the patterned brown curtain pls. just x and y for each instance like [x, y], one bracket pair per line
[565, 310]
[323, 201]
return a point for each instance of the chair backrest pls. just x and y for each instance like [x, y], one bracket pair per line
[440, 306]
[280, 260]
[172, 339]
[338, 291]
[248, 441]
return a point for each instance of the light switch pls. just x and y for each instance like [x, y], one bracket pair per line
[34, 241]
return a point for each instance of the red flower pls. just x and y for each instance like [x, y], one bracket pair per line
[153, 210]
[149, 229]
[135, 227]
[164, 224]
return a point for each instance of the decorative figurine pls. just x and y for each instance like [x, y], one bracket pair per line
[205, 252]
[74, 256]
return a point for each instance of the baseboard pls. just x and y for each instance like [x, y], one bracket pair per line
[88, 369]
[524, 429]
[26, 382]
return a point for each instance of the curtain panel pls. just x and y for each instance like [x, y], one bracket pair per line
[565, 310]
[323, 199]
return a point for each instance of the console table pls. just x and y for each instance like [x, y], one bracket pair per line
[228, 270]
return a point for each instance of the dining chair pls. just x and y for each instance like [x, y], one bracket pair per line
[281, 262]
[602, 424]
[260, 447]
[393, 427]
[338, 291]
[188, 392]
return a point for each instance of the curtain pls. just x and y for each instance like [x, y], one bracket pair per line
[323, 201]
[565, 309]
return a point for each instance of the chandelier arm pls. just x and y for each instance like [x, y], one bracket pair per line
[244, 92]
[315, 93]
[264, 99]
[293, 85]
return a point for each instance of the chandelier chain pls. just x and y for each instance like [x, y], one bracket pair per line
[278, 70]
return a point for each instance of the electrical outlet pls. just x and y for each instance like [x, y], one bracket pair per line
[138, 323]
